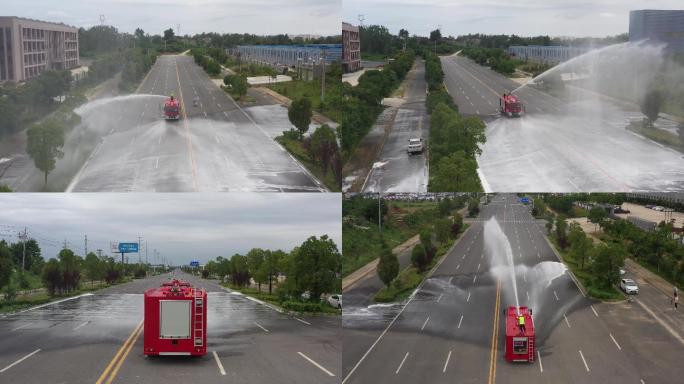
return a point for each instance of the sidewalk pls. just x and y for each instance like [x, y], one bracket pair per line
[362, 272]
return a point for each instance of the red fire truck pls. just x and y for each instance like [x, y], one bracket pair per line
[511, 106]
[520, 342]
[171, 108]
[175, 319]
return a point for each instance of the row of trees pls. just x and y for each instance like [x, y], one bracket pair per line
[495, 58]
[361, 104]
[312, 267]
[208, 63]
[454, 140]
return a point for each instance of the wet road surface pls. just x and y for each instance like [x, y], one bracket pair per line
[75, 340]
[395, 170]
[559, 146]
[216, 146]
[445, 332]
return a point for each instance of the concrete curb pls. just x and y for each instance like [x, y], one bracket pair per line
[572, 275]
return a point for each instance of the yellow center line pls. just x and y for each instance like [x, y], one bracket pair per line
[478, 80]
[495, 336]
[104, 374]
[123, 357]
[187, 129]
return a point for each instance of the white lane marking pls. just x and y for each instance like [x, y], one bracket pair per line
[566, 320]
[538, 109]
[218, 362]
[615, 341]
[674, 333]
[524, 275]
[642, 381]
[219, 105]
[260, 326]
[159, 141]
[595, 313]
[142, 114]
[458, 266]
[440, 297]
[446, 363]
[402, 363]
[156, 163]
[555, 294]
[425, 323]
[474, 278]
[527, 293]
[451, 278]
[20, 327]
[460, 321]
[584, 361]
[205, 113]
[464, 255]
[82, 325]
[477, 112]
[478, 267]
[217, 139]
[541, 367]
[468, 299]
[482, 256]
[316, 364]
[303, 321]
[20, 360]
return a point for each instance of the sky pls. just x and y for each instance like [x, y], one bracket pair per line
[261, 17]
[576, 18]
[181, 226]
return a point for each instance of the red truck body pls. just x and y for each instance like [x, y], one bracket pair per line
[520, 346]
[175, 320]
[511, 106]
[171, 109]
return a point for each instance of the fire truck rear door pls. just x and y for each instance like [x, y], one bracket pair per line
[174, 319]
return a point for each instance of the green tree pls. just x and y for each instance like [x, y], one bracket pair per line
[70, 266]
[455, 172]
[52, 277]
[272, 263]
[419, 258]
[435, 35]
[443, 230]
[651, 104]
[597, 215]
[93, 267]
[237, 83]
[255, 261]
[10, 116]
[561, 231]
[6, 266]
[388, 265]
[580, 244]
[53, 84]
[239, 269]
[474, 207]
[169, 35]
[315, 266]
[323, 146]
[606, 263]
[44, 144]
[300, 114]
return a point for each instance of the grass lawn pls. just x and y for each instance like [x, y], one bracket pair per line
[361, 244]
[312, 90]
[289, 305]
[373, 56]
[297, 150]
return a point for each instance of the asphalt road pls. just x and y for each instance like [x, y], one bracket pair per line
[447, 331]
[75, 340]
[559, 146]
[216, 146]
[394, 169]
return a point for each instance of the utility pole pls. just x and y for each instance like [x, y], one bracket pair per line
[379, 213]
[23, 237]
[85, 248]
[145, 251]
[64, 246]
[99, 253]
[139, 258]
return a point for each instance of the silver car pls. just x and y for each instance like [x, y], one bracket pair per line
[629, 286]
[335, 300]
[415, 146]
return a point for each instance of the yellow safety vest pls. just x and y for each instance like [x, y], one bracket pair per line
[521, 320]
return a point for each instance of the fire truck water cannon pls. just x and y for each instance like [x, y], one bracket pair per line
[175, 320]
[520, 337]
[511, 106]
[171, 108]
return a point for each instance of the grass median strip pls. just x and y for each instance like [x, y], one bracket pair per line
[112, 368]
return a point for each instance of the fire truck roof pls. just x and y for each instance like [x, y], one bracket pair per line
[512, 328]
[175, 288]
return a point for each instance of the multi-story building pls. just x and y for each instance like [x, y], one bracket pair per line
[30, 47]
[546, 54]
[664, 26]
[351, 48]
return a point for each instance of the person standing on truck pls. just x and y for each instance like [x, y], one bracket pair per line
[521, 323]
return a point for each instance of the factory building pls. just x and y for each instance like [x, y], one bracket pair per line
[30, 47]
[546, 54]
[663, 26]
[351, 48]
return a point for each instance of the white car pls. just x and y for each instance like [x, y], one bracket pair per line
[335, 300]
[629, 286]
[415, 146]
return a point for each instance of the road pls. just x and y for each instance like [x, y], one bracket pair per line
[75, 340]
[559, 146]
[216, 146]
[448, 330]
[394, 169]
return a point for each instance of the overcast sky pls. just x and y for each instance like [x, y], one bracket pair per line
[180, 226]
[261, 17]
[578, 18]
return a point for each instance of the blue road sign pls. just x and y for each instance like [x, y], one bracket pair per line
[128, 247]
[525, 200]
[194, 263]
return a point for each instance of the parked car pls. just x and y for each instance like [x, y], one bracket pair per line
[335, 300]
[622, 272]
[415, 146]
[629, 286]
